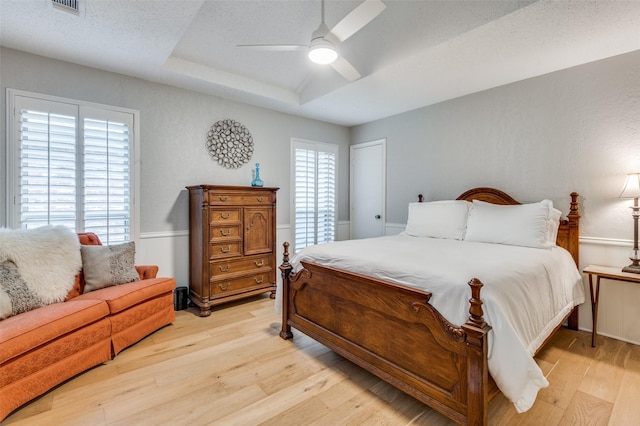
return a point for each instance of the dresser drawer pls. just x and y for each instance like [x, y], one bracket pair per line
[218, 216]
[239, 198]
[218, 250]
[239, 285]
[229, 268]
[220, 233]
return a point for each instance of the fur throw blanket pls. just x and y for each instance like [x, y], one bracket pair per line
[45, 259]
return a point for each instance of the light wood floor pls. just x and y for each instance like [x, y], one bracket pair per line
[232, 369]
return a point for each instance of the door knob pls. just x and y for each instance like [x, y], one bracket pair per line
[377, 216]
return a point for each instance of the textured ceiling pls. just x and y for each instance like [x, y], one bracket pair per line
[415, 53]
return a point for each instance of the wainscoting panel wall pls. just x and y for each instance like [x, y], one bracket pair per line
[618, 312]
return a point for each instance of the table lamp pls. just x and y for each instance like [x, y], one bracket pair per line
[632, 190]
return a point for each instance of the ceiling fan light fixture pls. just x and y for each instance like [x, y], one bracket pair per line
[322, 53]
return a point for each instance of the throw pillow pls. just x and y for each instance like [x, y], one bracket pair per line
[47, 258]
[105, 266]
[15, 295]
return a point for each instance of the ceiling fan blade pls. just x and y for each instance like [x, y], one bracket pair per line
[364, 13]
[345, 68]
[275, 47]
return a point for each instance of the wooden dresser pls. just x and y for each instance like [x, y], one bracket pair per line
[232, 238]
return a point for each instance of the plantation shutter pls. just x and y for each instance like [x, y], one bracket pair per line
[314, 194]
[326, 219]
[47, 164]
[71, 174]
[106, 182]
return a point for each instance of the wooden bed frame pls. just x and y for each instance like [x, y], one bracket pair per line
[377, 324]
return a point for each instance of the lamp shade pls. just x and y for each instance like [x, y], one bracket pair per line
[631, 187]
[322, 51]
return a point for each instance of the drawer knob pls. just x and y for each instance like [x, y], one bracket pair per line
[224, 287]
[259, 263]
[259, 199]
[259, 281]
[225, 233]
[226, 215]
[223, 198]
[222, 269]
[225, 250]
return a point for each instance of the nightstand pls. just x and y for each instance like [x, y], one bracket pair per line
[609, 273]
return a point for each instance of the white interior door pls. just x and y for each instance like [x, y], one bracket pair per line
[368, 181]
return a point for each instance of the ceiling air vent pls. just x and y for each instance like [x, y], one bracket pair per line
[71, 6]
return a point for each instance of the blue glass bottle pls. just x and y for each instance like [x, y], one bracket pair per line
[257, 181]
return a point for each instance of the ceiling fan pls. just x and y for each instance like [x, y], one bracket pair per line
[322, 48]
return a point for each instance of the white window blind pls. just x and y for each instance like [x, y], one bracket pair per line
[72, 167]
[314, 193]
[47, 169]
[106, 181]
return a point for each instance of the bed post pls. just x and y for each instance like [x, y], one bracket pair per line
[574, 228]
[574, 248]
[285, 268]
[477, 367]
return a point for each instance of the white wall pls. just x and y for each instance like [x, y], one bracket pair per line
[173, 129]
[572, 130]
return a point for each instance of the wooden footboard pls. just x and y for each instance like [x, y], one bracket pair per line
[393, 332]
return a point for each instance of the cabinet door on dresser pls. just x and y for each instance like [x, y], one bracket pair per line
[231, 243]
[258, 235]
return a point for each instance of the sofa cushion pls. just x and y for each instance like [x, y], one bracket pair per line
[75, 353]
[24, 332]
[133, 324]
[105, 266]
[55, 353]
[122, 297]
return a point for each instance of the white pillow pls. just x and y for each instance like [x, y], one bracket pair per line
[519, 225]
[554, 224]
[438, 219]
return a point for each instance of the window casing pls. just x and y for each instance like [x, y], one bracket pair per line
[71, 163]
[315, 192]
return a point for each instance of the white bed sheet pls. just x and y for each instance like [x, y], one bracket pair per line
[514, 278]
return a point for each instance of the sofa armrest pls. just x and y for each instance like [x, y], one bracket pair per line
[147, 271]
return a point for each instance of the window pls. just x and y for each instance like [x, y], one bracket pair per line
[314, 201]
[70, 163]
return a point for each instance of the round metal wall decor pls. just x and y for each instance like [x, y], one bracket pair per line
[230, 143]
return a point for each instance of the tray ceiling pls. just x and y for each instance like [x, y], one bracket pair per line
[415, 53]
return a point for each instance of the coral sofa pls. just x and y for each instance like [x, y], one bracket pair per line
[41, 348]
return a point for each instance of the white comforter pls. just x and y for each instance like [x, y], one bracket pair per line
[526, 293]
